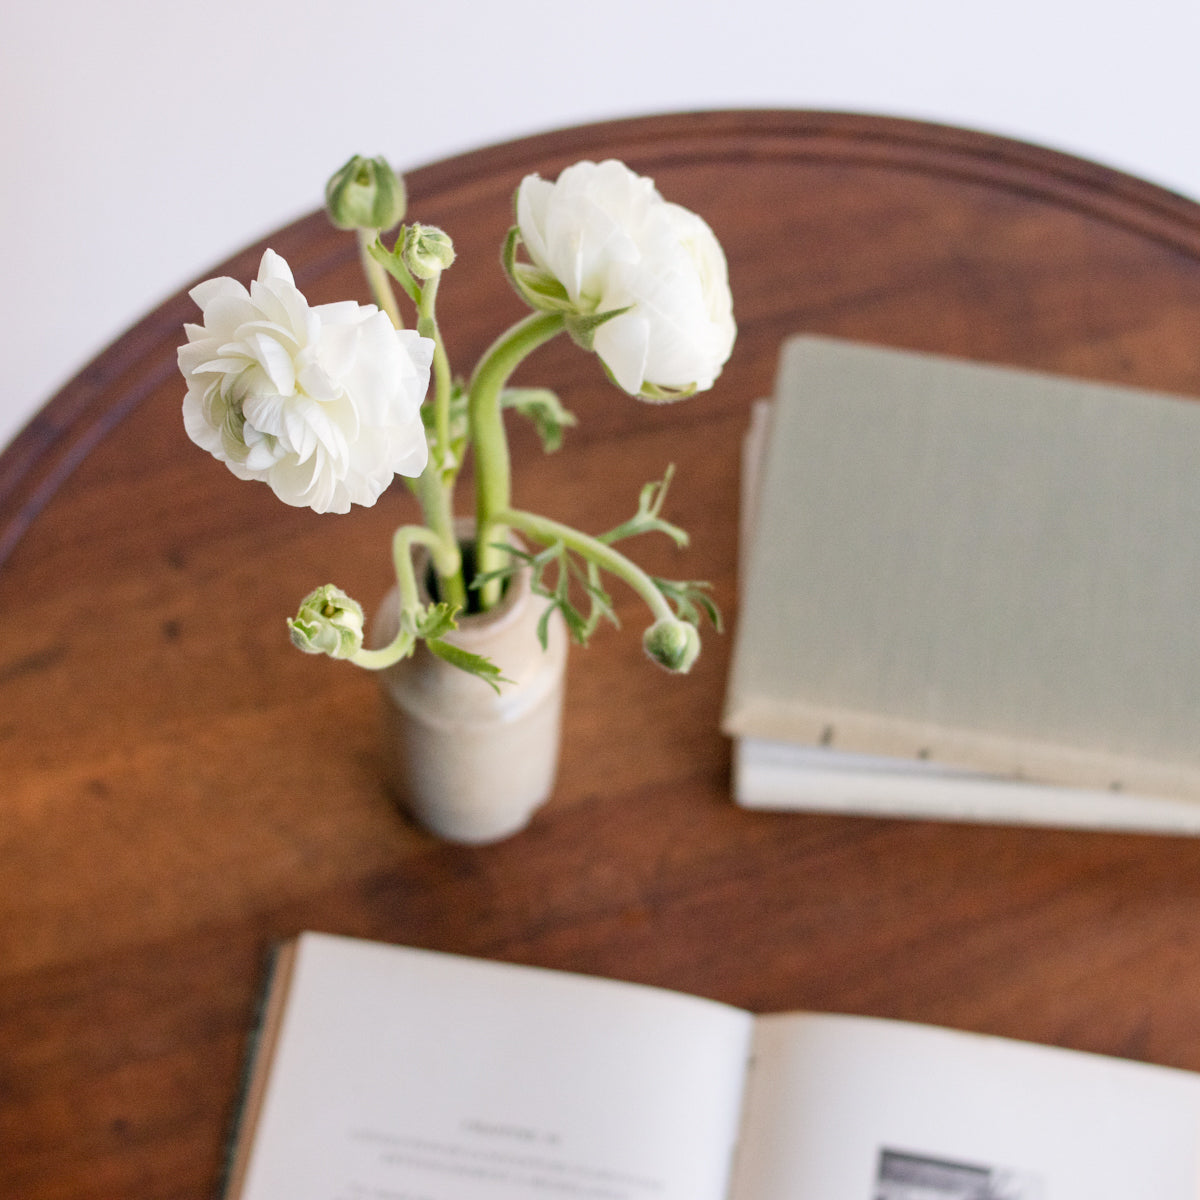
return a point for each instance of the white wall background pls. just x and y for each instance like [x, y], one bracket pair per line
[144, 141]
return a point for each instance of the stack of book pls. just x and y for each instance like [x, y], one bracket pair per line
[968, 592]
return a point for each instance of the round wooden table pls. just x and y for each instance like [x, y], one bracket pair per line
[182, 788]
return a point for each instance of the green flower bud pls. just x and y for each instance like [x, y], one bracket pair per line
[365, 194]
[428, 250]
[329, 622]
[672, 644]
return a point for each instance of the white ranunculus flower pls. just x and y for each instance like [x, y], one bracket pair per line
[613, 242]
[323, 403]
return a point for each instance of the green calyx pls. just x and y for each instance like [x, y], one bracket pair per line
[544, 293]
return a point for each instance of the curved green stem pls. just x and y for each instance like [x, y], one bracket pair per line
[545, 531]
[387, 656]
[378, 279]
[493, 484]
[446, 561]
[435, 487]
[435, 500]
[427, 326]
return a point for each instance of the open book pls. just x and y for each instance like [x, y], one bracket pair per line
[968, 592]
[396, 1074]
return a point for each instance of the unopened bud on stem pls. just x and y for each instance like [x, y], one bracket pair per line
[365, 194]
[428, 250]
[329, 622]
[673, 644]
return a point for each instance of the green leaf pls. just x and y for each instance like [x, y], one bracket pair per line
[518, 559]
[393, 264]
[646, 519]
[436, 620]
[543, 625]
[690, 598]
[577, 625]
[558, 591]
[599, 602]
[544, 409]
[464, 660]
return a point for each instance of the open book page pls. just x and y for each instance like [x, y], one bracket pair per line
[851, 1108]
[407, 1075]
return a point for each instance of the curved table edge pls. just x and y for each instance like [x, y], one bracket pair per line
[85, 410]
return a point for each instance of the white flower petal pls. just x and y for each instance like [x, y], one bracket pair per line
[277, 364]
[323, 403]
[337, 347]
[211, 290]
[611, 240]
[314, 381]
[623, 345]
[272, 267]
[225, 312]
[264, 412]
[344, 312]
[533, 199]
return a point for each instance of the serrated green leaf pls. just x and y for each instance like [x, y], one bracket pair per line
[646, 519]
[521, 559]
[437, 619]
[464, 660]
[544, 409]
[577, 625]
[691, 598]
[599, 602]
[652, 495]
[711, 611]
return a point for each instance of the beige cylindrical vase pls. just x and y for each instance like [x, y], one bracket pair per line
[469, 763]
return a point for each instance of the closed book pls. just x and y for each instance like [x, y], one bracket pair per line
[969, 591]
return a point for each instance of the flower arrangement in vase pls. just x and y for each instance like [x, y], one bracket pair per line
[328, 403]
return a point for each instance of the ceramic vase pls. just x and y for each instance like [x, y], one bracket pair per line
[469, 763]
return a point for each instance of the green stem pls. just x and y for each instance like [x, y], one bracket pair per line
[427, 326]
[447, 562]
[387, 656]
[493, 483]
[378, 279]
[545, 532]
[435, 487]
[434, 498]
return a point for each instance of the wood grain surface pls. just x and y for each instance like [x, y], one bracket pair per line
[181, 788]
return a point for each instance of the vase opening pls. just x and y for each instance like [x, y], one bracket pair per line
[469, 565]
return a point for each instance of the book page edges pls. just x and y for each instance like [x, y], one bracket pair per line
[265, 1041]
[989, 754]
